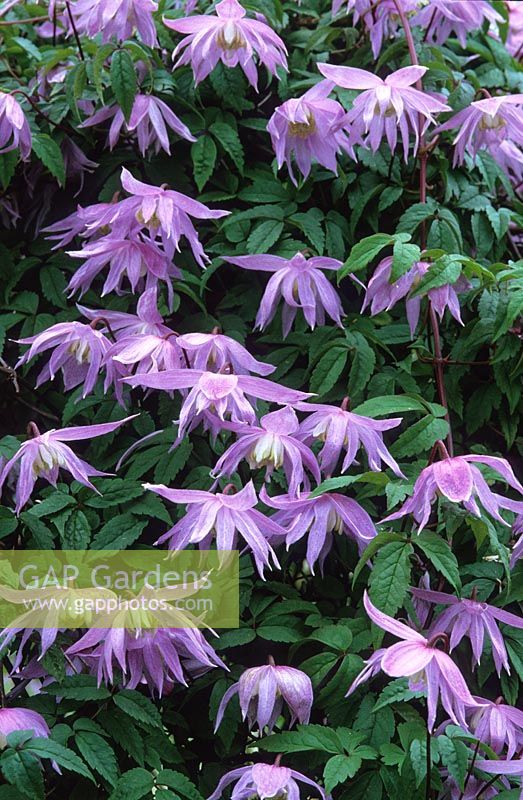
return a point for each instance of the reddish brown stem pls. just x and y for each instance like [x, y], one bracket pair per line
[32, 430]
[28, 21]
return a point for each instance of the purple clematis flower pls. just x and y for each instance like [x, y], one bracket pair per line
[78, 351]
[44, 454]
[264, 781]
[320, 518]
[83, 222]
[14, 128]
[147, 352]
[517, 551]
[147, 319]
[227, 36]
[427, 667]
[220, 394]
[271, 445]
[507, 767]
[442, 18]
[493, 124]
[472, 619]
[150, 118]
[223, 515]
[384, 106]
[262, 691]
[213, 352]
[301, 284]
[116, 19]
[460, 482]
[381, 20]
[21, 719]
[166, 213]
[156, 658]
[382, 295]
[497, 725]
[340, 429]
[514, 41]
[308, 127]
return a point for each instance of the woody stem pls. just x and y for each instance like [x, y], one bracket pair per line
[73, 26]
[423, 156]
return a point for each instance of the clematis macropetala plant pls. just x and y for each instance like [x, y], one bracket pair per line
[228, 36]
[302, 285]
[385, 107]
[428, 667]
[44, 454]
[262, 692]
[225, 516]
[460, 481]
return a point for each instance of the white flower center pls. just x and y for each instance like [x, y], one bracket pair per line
[81, 351]
[47, 458]
[230, 37]
[267, 450]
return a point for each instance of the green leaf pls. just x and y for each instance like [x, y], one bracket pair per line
[420, 437]
[98, 754]
[52, 504]
[383, 538]
[389, 404]
[390, 576]
[338, 637]
[77, 532]
[306, 737]
[138, 707]
[64, 757]
[364, 252]
[454, 756]
[338, 769]
[113, 492]
[133, 785]
[446, 269]
[75, 83]
[403, 257]
[228, 137]
[53, 285]
[79, 687]
[328, 370]
[117, 534]
[264, 235]
[8, 162]
[440, 555]
[362, 365]
[49, 153]
[123, 81]
[203, 154]
[182, 784]
[24, 771]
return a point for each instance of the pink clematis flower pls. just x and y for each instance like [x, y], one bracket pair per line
[265, 781]
[493, 124]
[147, 319]
[222, 395]
[340, 429]
[460, 481]
[514, 41]
[497, 725]
[507, 767]
[44, 454]
[301, 284]
[319, 518]
[227, 36]
[382, 295]
[381, 20]
[427, 667]
[386, 106]
[214, 352]
[271, 445]
[14, 128]
[21, 719]
[116, 19]
[83, 222]
[308, 127]
[471, 619]
[146, 353]
[442, 18]
[225, 516]
[78, 351]
[157, 658]
[150, 118]
[262, 691]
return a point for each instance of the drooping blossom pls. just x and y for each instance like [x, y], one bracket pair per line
[265, 781]
[44, 454]
[146, 352]
[509, 767]
[381, 20]
[150, 117]
[302, 285]
[319, 518]
[474, 788]
[82, 222]
[493, 124]
[262, 692]
[116, 19]
[224, 516]
[213, 352]
[220, 395]
[517, 551]
[440, 19]
[382, 295]
[14, 127]
[156, 658]
[21, 719]
[471, 619]
[76, 162]
[340, 430]
[460, 481]
[497, 725]
[230, 37]
[78, 352]
[514, 41]
[308, 128]
[386, 106]
[427, 666]
[147, 319]
[272, 445]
